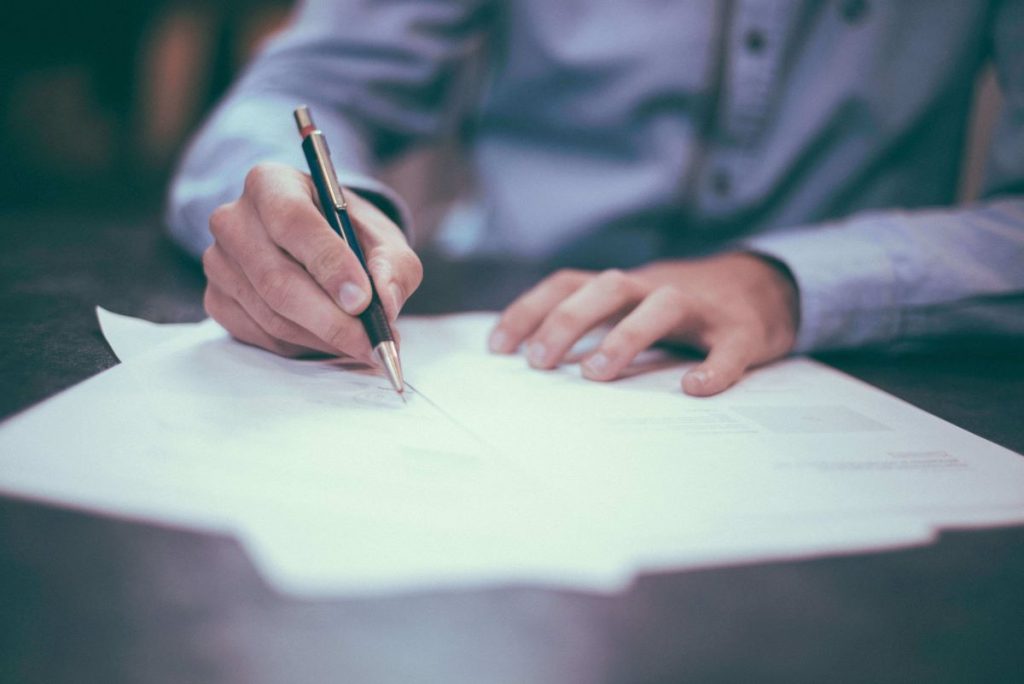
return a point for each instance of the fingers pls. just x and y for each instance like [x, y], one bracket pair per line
[241, 326]
[227, 278]
[736, 306]
[284, 285]
[283, 200]
[725, 364]
[525, 314]
[668, 312]
[601, 298]
[281, 282]
[396, 270]
[664, 311]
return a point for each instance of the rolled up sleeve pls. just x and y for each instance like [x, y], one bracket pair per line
[376, 75]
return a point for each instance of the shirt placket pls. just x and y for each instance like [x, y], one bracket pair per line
[756, 39]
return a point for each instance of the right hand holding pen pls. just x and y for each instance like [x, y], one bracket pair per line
[280, 278]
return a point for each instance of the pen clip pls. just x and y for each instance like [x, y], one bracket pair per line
[322, 155]
[323, 160]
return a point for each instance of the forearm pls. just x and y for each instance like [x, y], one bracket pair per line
[251, 128]
[375, 74]
[886, 277]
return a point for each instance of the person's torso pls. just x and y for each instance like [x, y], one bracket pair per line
[610, 133]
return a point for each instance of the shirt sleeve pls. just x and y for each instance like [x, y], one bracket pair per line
[376, 74]
[879, 278]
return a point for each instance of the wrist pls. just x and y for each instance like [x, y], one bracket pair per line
[776, 288]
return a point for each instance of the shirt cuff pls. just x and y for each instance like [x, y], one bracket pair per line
[846, 285]
[383, 196]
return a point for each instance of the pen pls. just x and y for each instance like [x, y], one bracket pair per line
[335, 208]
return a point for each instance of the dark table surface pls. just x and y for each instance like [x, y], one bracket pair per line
[85, 598]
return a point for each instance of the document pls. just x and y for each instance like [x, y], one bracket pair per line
[493, 472]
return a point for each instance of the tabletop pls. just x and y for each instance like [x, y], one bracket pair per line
[88, 598]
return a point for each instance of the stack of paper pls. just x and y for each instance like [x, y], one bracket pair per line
[492, 472]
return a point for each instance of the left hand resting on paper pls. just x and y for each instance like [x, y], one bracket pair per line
[742, 309]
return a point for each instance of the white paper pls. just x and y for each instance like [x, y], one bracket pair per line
[494, 472]
[130, 337]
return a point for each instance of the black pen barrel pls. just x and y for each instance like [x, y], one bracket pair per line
[373, 318]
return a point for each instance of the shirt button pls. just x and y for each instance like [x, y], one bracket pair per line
[853, 11]
[754, 41]
[721, 183]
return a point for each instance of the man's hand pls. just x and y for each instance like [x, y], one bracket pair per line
[280, 278]
[740, 308]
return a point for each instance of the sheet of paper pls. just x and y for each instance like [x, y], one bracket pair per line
[130, 337]
[796, 438]
[313, 465]
[493, 472]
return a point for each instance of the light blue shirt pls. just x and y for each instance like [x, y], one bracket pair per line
[827, 134]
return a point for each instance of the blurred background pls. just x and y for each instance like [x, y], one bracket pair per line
[98, 98]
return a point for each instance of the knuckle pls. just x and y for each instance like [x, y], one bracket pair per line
[566, 277]
[277, 326]
[564, 318]
[238, 289]
[412, 268]
[286, 214]
[671, 297]
[626, 339]
[615, 280]
[514, 315]
[275, 287]
[327, 263]
[380, 271]
[295, 210]
[221, 220]
[376, 263]
[258, 177]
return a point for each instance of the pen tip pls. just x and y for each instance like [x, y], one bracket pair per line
[387, 353]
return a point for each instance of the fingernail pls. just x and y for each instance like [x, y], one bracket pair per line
[352, 297]
[697, 379]
[596, 364]
[536, 353]
[498, 340]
